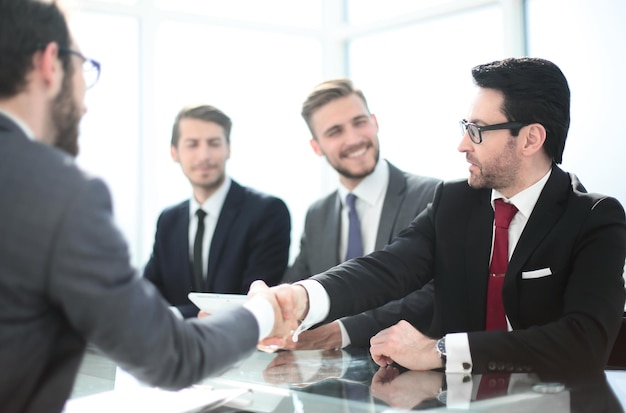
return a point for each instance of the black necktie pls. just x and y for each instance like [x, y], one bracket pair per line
[355, 240]
[197, 253]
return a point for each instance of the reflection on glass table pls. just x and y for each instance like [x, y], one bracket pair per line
[349, 381]
[352, 378]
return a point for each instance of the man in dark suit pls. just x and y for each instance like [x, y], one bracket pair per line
[346, 133]
[246, 233]
[65, 274]
[562, 295]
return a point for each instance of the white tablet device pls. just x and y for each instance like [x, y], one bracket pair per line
[214, 303]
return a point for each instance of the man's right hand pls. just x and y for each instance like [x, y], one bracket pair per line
[293, 301]
[281, 327]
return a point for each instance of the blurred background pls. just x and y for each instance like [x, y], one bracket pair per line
[258, 60]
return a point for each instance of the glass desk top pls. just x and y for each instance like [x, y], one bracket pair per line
[349, 381]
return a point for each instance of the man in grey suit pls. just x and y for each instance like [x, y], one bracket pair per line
[65, 276]
[388, 199]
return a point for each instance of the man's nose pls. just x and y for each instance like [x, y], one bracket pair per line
[466, 144]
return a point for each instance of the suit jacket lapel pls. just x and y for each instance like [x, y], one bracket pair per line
[228, 214]
[329, 252]
[396, 191]
[478, 254]
[547, 211]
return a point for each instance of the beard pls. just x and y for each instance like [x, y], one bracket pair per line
[499, 172]
[65, 117]
[351, 175]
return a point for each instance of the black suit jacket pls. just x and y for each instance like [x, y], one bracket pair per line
[407, 195]
[250, 242]
[567, 320]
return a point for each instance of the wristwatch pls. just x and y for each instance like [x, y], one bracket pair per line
[441, 349]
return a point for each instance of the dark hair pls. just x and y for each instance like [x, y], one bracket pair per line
[202, 112]
[26, 27]
[535, 90]
[326, 92]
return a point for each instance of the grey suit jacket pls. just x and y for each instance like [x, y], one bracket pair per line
[407, 195]
[65, 279]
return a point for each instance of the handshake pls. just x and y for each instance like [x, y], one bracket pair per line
[290, 304]
[400, 343]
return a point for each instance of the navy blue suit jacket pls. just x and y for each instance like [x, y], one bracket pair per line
[251, 242]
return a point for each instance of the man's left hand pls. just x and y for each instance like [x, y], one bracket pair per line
[406, 346]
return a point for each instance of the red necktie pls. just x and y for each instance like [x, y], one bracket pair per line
[504, 213]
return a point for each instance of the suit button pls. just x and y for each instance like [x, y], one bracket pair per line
[467, 366]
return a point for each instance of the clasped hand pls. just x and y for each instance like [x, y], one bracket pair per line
[290, 304]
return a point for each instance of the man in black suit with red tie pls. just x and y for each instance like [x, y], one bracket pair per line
[562, 292]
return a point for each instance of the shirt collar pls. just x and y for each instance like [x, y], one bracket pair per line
[213, 205]
[372, 187]
[524, 201]
[20, 123]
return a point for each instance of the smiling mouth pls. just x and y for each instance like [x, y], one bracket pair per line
[358, 153]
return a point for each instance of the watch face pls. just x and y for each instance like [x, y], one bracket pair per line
[441, 346]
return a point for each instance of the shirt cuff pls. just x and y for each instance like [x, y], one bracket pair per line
[345, 337]
[319, 306]
[458, 356]
[460, 388]
[176, 312]
[263, 312]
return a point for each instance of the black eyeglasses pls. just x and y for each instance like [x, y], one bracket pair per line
[91, 68]
[476, 132]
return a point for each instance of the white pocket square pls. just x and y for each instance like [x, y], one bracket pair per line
[528, 275]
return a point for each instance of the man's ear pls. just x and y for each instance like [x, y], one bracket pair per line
[534, 138]
[174, 153]
[316, 147]
[48, 68]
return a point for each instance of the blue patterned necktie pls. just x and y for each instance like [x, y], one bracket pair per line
[355, 240]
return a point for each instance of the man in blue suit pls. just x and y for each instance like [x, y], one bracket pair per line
[244, 234]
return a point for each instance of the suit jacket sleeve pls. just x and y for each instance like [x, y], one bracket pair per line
[105, 300]
[416, 308]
